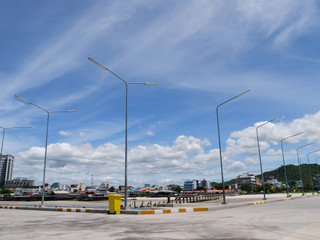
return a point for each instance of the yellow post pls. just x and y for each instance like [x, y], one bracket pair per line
[114, 203]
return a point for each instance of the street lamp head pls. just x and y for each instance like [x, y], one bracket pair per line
[242, 94]
[276, 118]
[13, 127]
[297, 134]
[150, 84]
[64, 111]
[23, 99]
[97, 63]
[72, 111]
[305, 145]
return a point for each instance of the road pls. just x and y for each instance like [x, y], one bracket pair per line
[293, 219]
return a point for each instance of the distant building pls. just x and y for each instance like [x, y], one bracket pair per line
[105, 185]
[273, 182]
[205, 183]
[316, 180]
[19, 182]
[121, 188]
[147, 185]
[6, 167]
[245, 178]
[190, 185]
[81, 187]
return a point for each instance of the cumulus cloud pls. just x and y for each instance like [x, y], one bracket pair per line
[107, 160]
[244, 142]
[272, 152]
[65, 133]
[186, 156]
[236, 167]
[190, 144]
[251, 161]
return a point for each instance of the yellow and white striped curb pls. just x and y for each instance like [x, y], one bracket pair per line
[285, 199]
[257, 203]
[74, 210]
[174, 210]
[83, 210]
[9, 207]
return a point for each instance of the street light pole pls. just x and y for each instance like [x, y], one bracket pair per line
[126, 128]
[302, 187]
[310, 169]
[264, 189]
[221, 165]
[3, 133]
[284, 164]
[46, 143]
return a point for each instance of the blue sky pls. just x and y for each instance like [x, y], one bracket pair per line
[200, 53]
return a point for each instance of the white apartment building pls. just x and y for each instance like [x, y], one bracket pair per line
[6, 168]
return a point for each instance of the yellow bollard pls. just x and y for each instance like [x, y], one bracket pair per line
[114, 203]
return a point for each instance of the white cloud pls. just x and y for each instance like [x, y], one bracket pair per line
[236, 167]
[150, 133]
[187, 155]
[190, 144]
[251, 161]
[244, 142]
[279, 19]
[82, 134]
[272, 152]
[65, 133]
[107, 160]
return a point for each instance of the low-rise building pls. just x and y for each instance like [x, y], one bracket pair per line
[19, 182]
[205, 183]
[190, 185]
[273, 182]
[246, 178]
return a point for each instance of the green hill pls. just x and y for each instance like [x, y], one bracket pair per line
[293, 173]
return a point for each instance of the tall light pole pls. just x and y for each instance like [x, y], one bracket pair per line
[310, 169]
[126, 128]
[302, 187]
[221, 165]
[264, 189]
[284, 164]
[3, 133]
[46, 144]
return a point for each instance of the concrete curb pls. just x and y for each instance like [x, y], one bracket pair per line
[82, 210]
[173, 210]
[257, 203]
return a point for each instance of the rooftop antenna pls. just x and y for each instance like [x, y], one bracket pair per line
[92, 179]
